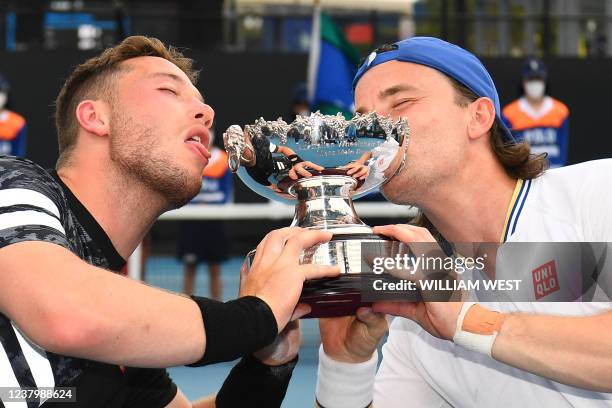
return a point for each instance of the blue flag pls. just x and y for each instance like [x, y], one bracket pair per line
[331, 67]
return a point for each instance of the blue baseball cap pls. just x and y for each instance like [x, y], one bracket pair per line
[450, 59]
[534, 68]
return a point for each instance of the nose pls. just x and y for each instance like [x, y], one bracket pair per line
[205, 113]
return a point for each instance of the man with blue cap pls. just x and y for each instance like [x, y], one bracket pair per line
[473, 182]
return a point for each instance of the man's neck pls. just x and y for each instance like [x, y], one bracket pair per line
[124, 208]
[476, 211]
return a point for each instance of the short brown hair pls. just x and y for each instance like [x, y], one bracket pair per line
[515, 157]
[94, 79]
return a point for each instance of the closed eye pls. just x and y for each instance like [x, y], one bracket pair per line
[401, 103]
[169, 90]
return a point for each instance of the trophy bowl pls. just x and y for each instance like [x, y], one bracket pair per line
[320, 163]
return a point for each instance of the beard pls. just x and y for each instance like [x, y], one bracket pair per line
[135, 149]
[393, 191]
[395, 188]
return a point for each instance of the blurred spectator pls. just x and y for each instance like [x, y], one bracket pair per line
[12, 125]
[537, 118]
[206, 241]
[299, 102]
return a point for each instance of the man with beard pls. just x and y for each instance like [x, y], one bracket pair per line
[474, 184]
[132, 131]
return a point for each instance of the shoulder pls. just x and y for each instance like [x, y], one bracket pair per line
[560, 106]
[12, 167]
[580, 194]
[512, 108]
[559, 109]
[20, 120]
[20, 177]
[33, 206]
[16, 119]
[564, 185]
[17, 171]
[592, 183]
[594, 173]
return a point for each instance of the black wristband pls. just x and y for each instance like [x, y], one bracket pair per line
[254, 384]
[236, 328]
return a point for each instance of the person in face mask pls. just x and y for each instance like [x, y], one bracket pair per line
[12, 125]
[537, 118]
[299, 102]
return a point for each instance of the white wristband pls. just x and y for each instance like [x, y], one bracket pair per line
[476, 342]
[345, 385]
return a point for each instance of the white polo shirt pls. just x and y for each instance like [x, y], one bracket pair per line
[569, 204]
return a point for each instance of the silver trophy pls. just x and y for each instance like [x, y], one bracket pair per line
[320, 163]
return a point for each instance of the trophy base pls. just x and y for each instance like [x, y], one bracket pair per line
[353, 249]
[333, 297]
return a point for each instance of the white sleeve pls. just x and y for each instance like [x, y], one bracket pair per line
[595, 216]
[398, 383]
[595, 201]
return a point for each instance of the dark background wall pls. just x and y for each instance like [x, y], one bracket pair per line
[242, 87]
[239, 87]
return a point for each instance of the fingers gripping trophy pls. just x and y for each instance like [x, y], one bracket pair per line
[320, 163]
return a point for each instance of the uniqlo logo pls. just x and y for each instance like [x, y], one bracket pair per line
[545, 279]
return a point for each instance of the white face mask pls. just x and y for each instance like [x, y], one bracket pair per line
[534, 89]
[211, 135]
[3, 98]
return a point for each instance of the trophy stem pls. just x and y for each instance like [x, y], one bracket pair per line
[325, 202]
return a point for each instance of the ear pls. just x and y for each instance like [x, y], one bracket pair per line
[482, 116]
[93, 116]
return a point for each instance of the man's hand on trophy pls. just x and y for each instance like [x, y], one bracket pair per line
[287, 343]
[353, 339]
[357, 170]
[276, 275]
[437, 318]
[301, 169]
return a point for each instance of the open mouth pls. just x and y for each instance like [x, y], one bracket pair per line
[196, 144]
[195, 139]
